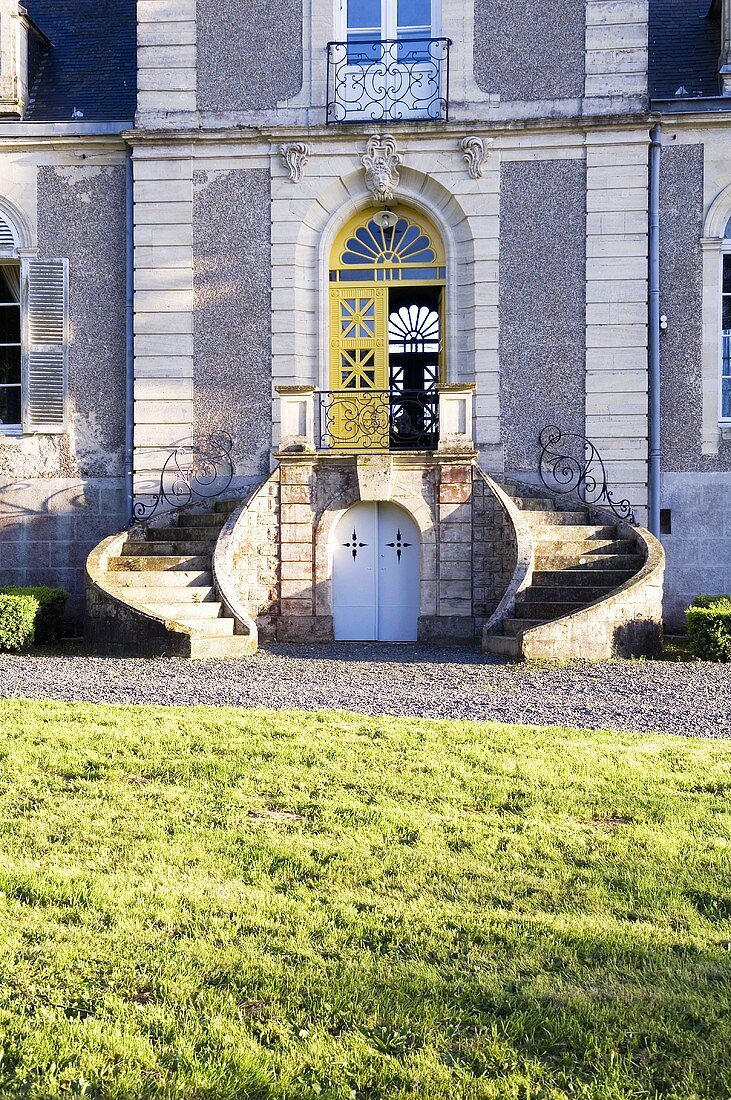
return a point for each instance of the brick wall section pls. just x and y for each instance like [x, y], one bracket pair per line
[297, 514]
[494, 552]
[455, 541]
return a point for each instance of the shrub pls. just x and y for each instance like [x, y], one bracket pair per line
[708, 620]
[17, 621]
[51, 611]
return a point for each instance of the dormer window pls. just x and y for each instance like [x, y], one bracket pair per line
[389, 65]
[22, 47]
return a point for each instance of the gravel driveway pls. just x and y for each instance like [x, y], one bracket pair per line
[687, 699]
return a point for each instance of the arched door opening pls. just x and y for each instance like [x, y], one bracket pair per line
[376, 574]
[387, 281]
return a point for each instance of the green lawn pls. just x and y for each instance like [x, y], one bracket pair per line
[205, 903]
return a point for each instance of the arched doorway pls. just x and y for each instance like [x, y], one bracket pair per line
[376, 574]
[387, 279]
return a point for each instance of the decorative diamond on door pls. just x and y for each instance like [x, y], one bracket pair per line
[357, 370]
[399, 545]
[358, 318]
[353, 545]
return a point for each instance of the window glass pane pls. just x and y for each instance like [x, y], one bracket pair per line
[727, 312]
[9, 404]
[726, 399]
[414, 13]
[364, 49]
[9, 325]
[727, 274]
[9, 283]
[365, 13]
[10, 366]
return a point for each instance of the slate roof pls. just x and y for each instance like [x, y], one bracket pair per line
[92, 65]
[685, 44]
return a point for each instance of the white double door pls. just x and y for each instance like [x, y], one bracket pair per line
[376, 574]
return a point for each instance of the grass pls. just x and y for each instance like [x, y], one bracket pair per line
[229, 905]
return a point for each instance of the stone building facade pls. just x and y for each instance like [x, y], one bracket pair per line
[199, 202]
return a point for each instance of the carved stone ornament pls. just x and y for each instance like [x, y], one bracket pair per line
[381, 161]
[475, 152]
[294, 157]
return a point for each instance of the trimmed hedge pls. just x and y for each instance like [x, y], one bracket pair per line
[17, 621]
[708, 621]
[49, 622]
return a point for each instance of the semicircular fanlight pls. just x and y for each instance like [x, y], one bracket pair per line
[414, 329]
[402, 243]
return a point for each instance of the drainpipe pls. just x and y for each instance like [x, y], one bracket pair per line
[654, 332]
[129, 336]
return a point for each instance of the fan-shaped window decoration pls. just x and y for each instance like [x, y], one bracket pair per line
[388, 247]
[402, 243]
[8, 243]
[414, 329]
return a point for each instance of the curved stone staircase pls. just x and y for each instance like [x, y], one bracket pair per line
[594, 587]
[162, 576]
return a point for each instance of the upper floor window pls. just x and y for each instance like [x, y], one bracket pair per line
[10, 348]
[724, 403]
[389, 64]
[34, 337]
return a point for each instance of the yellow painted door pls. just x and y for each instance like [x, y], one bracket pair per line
[357, 410]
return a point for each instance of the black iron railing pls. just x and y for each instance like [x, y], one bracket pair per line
[570, 463]
[388, 80]
[198, 470]
[378, 420]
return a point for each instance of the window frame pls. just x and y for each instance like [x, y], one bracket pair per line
[16, 428]
[389, 21]
[724, 334]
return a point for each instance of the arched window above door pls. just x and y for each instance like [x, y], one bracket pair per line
[388, 246]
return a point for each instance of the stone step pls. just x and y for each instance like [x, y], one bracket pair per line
[182, 534]
[226, 507]
[203, 519]
[538, 504]
[580, 577]
[171, 594]
[576, 532]
[580, 595]
[208, 628]
[239, 645]
[603, 554]
[546, 611]
[159, 563]
[187, 609]
[538, 518]
[152, 578]
[178, 548]
[502, 645]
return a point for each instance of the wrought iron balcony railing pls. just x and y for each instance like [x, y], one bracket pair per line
[379, 420]
[388, 80]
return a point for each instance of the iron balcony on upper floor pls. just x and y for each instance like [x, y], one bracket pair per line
[388, 80]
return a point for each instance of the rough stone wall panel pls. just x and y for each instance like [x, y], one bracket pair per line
[231, 329]
[494, 552]
[542, 303]
[81, 215]
[249, 55]
[681, 282]
[530, 49]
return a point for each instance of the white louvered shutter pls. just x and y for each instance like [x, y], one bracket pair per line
[46, 345]
[7, 238]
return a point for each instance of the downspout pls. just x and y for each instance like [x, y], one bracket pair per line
[129, 374]
[654, 333]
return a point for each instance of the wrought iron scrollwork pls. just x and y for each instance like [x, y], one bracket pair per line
[388, 80]
[570, 463]
[199, 470]
[379, 419]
